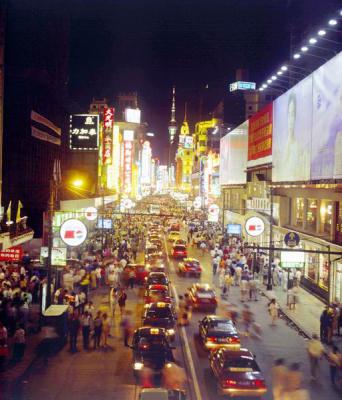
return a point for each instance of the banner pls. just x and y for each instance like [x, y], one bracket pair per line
[14, 253]
[44, 121]
[260, 135]
[291, 142]
[84, 132]
[326, 157]
[108, 124]
[41, 135]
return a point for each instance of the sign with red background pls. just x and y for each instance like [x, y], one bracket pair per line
[14, 253]
[107, 146]
[260, 133]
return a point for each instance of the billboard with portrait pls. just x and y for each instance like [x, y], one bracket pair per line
[326, 157]
[233, 156]
[292, 119]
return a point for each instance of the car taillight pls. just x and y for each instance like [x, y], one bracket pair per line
[234, 340]
[230, 383]
[259, 383]
[212, 339]
[213, 300]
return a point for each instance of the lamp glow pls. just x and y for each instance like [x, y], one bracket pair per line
[321, 32]
[304, 49]
[332, 22]
[269, 80]
[77, 183]
[273, 77]
[296, 56]
[312, 40]
[284, 68]
[280, 73]
[264, 86]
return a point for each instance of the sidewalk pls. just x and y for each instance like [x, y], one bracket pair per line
[307, 313]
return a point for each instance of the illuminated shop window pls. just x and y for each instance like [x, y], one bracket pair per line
[311, 215]
[299, 211]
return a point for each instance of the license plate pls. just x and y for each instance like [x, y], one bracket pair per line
[205, 300]
[244, 383]
[222, 340]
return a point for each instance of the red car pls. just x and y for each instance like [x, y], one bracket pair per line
[157, 293]
[203, 297]
[237, 373]
[179, 251]
[190, 266]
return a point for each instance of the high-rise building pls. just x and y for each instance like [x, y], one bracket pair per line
[173, 123]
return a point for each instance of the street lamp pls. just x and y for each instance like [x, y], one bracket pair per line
[296, 56]
[332, 22]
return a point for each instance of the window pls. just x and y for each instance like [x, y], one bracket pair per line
[299, 211]
[311, 215]
[311, 267]
[326, 211]
[323, 272]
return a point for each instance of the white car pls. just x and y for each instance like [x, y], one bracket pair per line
[161, 394]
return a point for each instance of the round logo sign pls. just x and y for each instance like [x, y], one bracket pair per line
[91, 213]
[254, 226]
[214, 209]
[292, 239]
[197, 203]
[73, 232]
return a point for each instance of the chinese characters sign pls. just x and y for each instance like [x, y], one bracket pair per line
[14, 253]
[128, 156]
[108, 123]
[260, 134]
[84, 132]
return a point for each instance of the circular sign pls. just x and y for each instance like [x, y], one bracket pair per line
[197, 203]
[254, 226]
[291, 239]
[73, 232]
[91, 213]
[126, 203]
[214, 209]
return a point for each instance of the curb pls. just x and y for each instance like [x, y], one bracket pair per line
[283, 310]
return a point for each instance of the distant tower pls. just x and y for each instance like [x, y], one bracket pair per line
[172, 124]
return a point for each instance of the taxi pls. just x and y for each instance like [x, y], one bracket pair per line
[202, 297]
[155, 278]
[152, 253]
[237, 373]
[190, 266]
[218, 332]
[156, 293]
[179, 251]
[150, 348]
[173, 236]
[161, 314]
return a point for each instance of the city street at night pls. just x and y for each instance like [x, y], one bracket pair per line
[170, 199]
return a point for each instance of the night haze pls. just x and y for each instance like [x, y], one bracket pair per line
[148, 46]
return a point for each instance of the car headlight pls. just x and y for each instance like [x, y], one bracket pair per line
[138, 365]
[171, 331]
[168, 365]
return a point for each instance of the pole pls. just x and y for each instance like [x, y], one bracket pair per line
[50, 242]
[271, 252]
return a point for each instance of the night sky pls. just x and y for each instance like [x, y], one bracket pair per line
[148, 45]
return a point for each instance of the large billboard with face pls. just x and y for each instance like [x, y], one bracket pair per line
[326, 158]
[233, 156]
[292, 119]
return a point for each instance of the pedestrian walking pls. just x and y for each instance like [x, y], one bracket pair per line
[122, 297]
[74, 326]
[203, 247]
[105, 329]
[97, 329]
[273, 309]
[19, 344]
[315, 351]
[127, 327]
[86, 323]
[279, 378]
[131, 278]
[244, 287]
[335, 363]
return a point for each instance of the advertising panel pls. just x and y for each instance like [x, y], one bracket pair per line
[133, 115]
[234, 229]
[188, 142]
[260, 136]
[233, 156]
[14, 253]
[108, 123]
[292, 133]
[73, 232]
[104, 223]
[127, 169]
[84, 132]
[58, 256]
[291, 259]
[326, 156]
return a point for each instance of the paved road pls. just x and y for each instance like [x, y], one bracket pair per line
[280, 341]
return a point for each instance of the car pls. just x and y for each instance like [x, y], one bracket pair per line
[154, 235]
[180, 241]
[202, 297]
[237, 373]
[175, 227]
[151, 348]
[155, 293]
[161, 314]
[216, 332]
[156, 242]
[190, 266]
[155, 278]
[173, 236]
[179, 251]
[161, 394]
[156, 266]
[153, 253]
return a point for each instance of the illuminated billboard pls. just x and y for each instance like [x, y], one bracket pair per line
[291, 147]
[326, 157]
[241, 85]
[84, 132]
[233, 156]
[108, 123]
[260, 137]
[133, 115]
